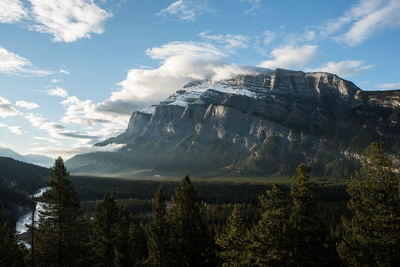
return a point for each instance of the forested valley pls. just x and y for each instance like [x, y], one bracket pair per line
[301, 222]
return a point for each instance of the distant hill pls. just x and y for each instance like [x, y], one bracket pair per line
[17, 180]
[40, 160]
[263, 125]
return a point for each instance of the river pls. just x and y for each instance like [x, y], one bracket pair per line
[27, 218]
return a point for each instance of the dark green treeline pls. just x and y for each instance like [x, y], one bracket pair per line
[289, 230]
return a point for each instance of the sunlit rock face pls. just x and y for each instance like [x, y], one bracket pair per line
[259, 124]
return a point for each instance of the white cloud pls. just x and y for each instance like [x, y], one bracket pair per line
[364, 20]
[290, 57]
[185, 49]
[388, 86]
[68, 152]
[15, 129]
[230, 41]
[343, 68]
[58, 91]
[269, 36]
[27, 105]
[254, 5]
[185, 9]
[64, 72]
[181, 62]
[50, 140]
[6, 108]
[68, 20]
[13, 64]
[11, 11]
[58, 131]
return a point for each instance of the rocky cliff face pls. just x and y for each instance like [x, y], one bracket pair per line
[254, 124]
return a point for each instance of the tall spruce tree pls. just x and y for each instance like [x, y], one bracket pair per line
[372, 236]
[269, 238]
[124, 244]
[60, 236]
[10, 253]
[105, 232]
[158, 233]
[307, 232]
[233, 241]
[191, 241]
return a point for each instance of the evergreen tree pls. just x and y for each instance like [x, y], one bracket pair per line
[269, 237]
[372, 237]
[124, 247]
[105, 229]
[307, 233]
[60, 236]
[233, 241]
[192, 243]
[10, 253]
[158, 232]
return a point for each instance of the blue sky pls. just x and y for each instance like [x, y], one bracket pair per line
[72, 71]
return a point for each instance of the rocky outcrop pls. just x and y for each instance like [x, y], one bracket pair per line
[255, 124]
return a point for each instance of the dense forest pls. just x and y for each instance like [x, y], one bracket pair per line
[301, 223]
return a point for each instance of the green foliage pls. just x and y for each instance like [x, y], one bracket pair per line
[16, 180]
[306, 231]
[60, 235]
[269, 240]
[159, 232]
[233, 241]
[372, 236]
[10, 252]
[125, 254]
[105, 232]
[192, 243]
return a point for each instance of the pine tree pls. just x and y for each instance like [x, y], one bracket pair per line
[269, 237]
[60, 236]
[192, 243]
[124, 246]
[372, 237]
[10, 254]
[307, 233]
[233, 241]
[159, 232]
[105, 229]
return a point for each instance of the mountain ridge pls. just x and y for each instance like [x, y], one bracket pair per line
[35, 159]
[258, 124]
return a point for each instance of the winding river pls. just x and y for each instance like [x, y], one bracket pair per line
[27, 218]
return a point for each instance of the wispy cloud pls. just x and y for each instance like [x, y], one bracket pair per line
[254, 5]
[7, 109]
[68, 152]
[27, 105]
[13, 64]
[343, 68]
[13, 129]
[388, 86]
[268, 37]
[229, 41]
[290, 57]
[64, 71]
[58, 91]
[363, 20]
[186, 9]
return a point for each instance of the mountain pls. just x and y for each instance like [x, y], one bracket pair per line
[17, 180]
[261, 124]
[40, 160]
